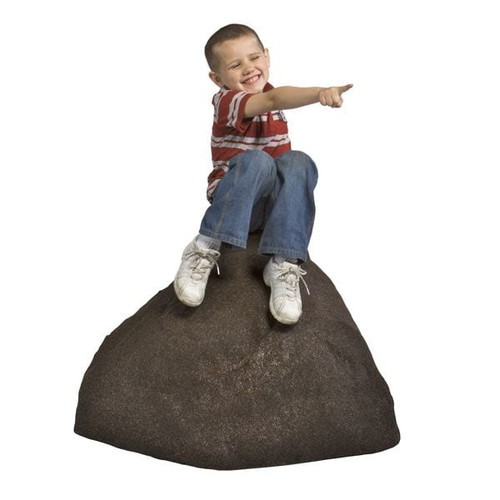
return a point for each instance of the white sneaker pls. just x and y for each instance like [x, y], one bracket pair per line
[191, 278]
[285, 302]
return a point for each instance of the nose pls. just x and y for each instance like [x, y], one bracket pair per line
[247, 67]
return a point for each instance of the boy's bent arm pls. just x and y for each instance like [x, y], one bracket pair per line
[294, 97]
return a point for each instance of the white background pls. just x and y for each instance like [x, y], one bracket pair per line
[105, 121]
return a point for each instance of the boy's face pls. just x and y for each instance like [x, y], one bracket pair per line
[243, 65]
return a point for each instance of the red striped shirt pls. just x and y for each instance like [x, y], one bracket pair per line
[232, 133]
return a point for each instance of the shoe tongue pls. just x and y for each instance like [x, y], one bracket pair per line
[277, 259]
[292, 282]
[200, 268]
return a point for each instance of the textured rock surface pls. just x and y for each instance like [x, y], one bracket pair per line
[225, 386]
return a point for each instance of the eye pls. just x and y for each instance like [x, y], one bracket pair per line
[233, 66]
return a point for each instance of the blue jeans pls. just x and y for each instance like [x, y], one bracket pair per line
[275, 195]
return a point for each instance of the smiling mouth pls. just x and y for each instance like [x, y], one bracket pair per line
[251, 80]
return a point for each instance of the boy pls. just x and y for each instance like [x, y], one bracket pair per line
[257, 181]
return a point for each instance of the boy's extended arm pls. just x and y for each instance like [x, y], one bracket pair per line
[294, 97]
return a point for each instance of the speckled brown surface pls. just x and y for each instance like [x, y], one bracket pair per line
[225, 386]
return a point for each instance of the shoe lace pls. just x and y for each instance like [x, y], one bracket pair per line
[291, 275]
[202, 261]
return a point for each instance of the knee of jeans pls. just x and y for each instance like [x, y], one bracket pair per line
[258, 155]
[299, 164]
[259, 161]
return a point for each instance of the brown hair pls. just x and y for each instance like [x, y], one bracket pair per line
[229, 32]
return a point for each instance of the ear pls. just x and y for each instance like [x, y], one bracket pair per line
[215, 78]
[268, 57]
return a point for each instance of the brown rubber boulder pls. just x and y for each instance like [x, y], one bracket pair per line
[225, 386]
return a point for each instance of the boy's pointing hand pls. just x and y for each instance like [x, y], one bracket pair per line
[332, 96]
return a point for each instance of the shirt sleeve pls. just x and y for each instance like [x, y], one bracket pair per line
[229, 109]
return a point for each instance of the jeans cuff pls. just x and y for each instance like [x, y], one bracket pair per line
[284, 252]
[225, 238]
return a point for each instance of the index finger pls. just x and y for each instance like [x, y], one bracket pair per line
[345, 88]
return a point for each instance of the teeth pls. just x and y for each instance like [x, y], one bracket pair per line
[253, 79]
